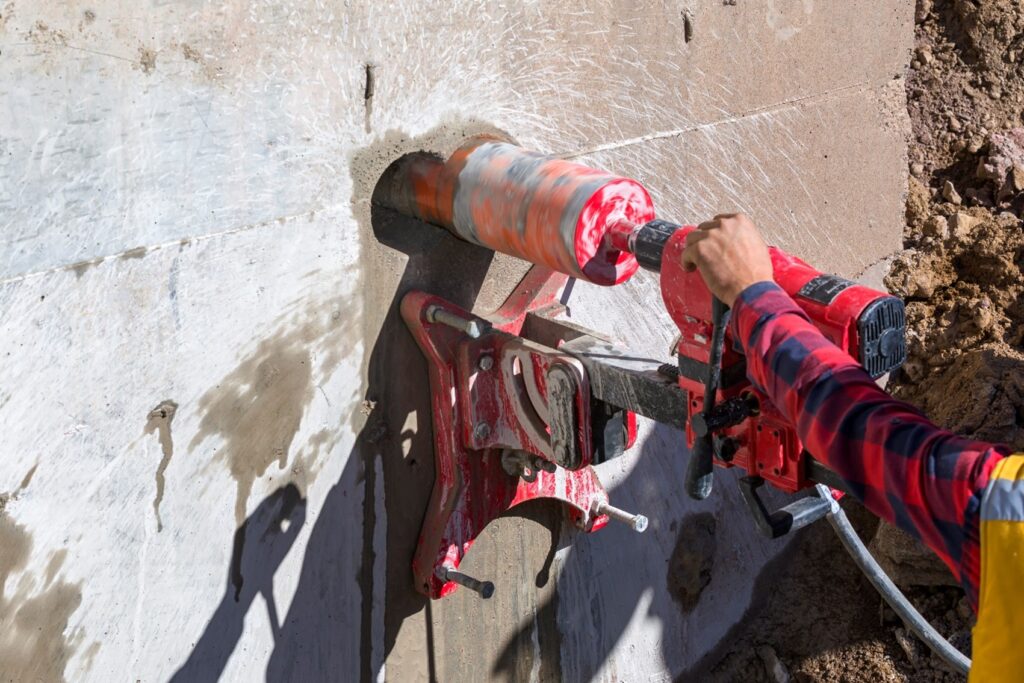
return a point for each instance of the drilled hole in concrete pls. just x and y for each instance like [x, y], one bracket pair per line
[394, 193]
[466, 274]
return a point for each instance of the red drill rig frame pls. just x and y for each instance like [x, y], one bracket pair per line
[525, 404]
[514, 420]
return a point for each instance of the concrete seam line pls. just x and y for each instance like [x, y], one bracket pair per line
[767, 109]
[96, 260]
[47, 48]
[881, 259]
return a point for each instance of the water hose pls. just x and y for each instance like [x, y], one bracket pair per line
[888, 590]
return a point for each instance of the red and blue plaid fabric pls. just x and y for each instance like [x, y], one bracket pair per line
[926, 480]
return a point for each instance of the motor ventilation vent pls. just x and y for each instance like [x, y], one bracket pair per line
[882, 327]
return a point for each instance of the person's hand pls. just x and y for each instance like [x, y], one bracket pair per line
[730, 254]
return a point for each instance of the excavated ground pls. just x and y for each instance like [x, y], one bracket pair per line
[960, 274]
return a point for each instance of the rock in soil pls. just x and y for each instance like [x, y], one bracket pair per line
[907, 561]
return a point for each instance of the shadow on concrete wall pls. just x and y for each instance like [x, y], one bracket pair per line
[315, 640]
[608, 576]
[260, 545]
[595, 621]
[602, 582]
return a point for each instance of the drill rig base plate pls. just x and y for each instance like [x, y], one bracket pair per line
[495, 441]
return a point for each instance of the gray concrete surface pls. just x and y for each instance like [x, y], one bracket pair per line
[195, 303]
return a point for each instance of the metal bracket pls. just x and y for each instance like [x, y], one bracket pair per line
[512, 423]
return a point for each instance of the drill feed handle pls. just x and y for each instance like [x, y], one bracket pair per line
[701, 468]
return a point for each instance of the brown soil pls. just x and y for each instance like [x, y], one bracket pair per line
[960, 274]
[830, 625]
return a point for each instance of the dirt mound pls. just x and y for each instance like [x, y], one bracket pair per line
[963, 286]
[964, 83]
[961, 273]
[980, 394]
[817, 624]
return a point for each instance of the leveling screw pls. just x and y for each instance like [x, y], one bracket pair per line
[471, 328]
[637, 522]
[484, 588]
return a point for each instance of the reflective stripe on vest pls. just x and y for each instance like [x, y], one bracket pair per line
[997, 651]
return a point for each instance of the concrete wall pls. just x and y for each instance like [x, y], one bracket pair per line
[216, 444]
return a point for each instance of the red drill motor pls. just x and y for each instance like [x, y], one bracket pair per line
[732, 423]
[598, 227]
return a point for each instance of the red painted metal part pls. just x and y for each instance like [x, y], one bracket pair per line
[483, 411]
[544, 210]
[631, 431]
[769, 445]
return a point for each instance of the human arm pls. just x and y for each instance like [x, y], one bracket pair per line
[905, 469]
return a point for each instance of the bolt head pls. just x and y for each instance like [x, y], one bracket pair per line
[481, 431]
[640, 524]
[486, 362]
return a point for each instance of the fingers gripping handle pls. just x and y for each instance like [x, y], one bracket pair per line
[700, 470]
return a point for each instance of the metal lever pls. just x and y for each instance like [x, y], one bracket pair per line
[796, 515]
[700, 470]
[484, 588]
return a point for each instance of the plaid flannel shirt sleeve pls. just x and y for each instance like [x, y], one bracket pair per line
[926, 480]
